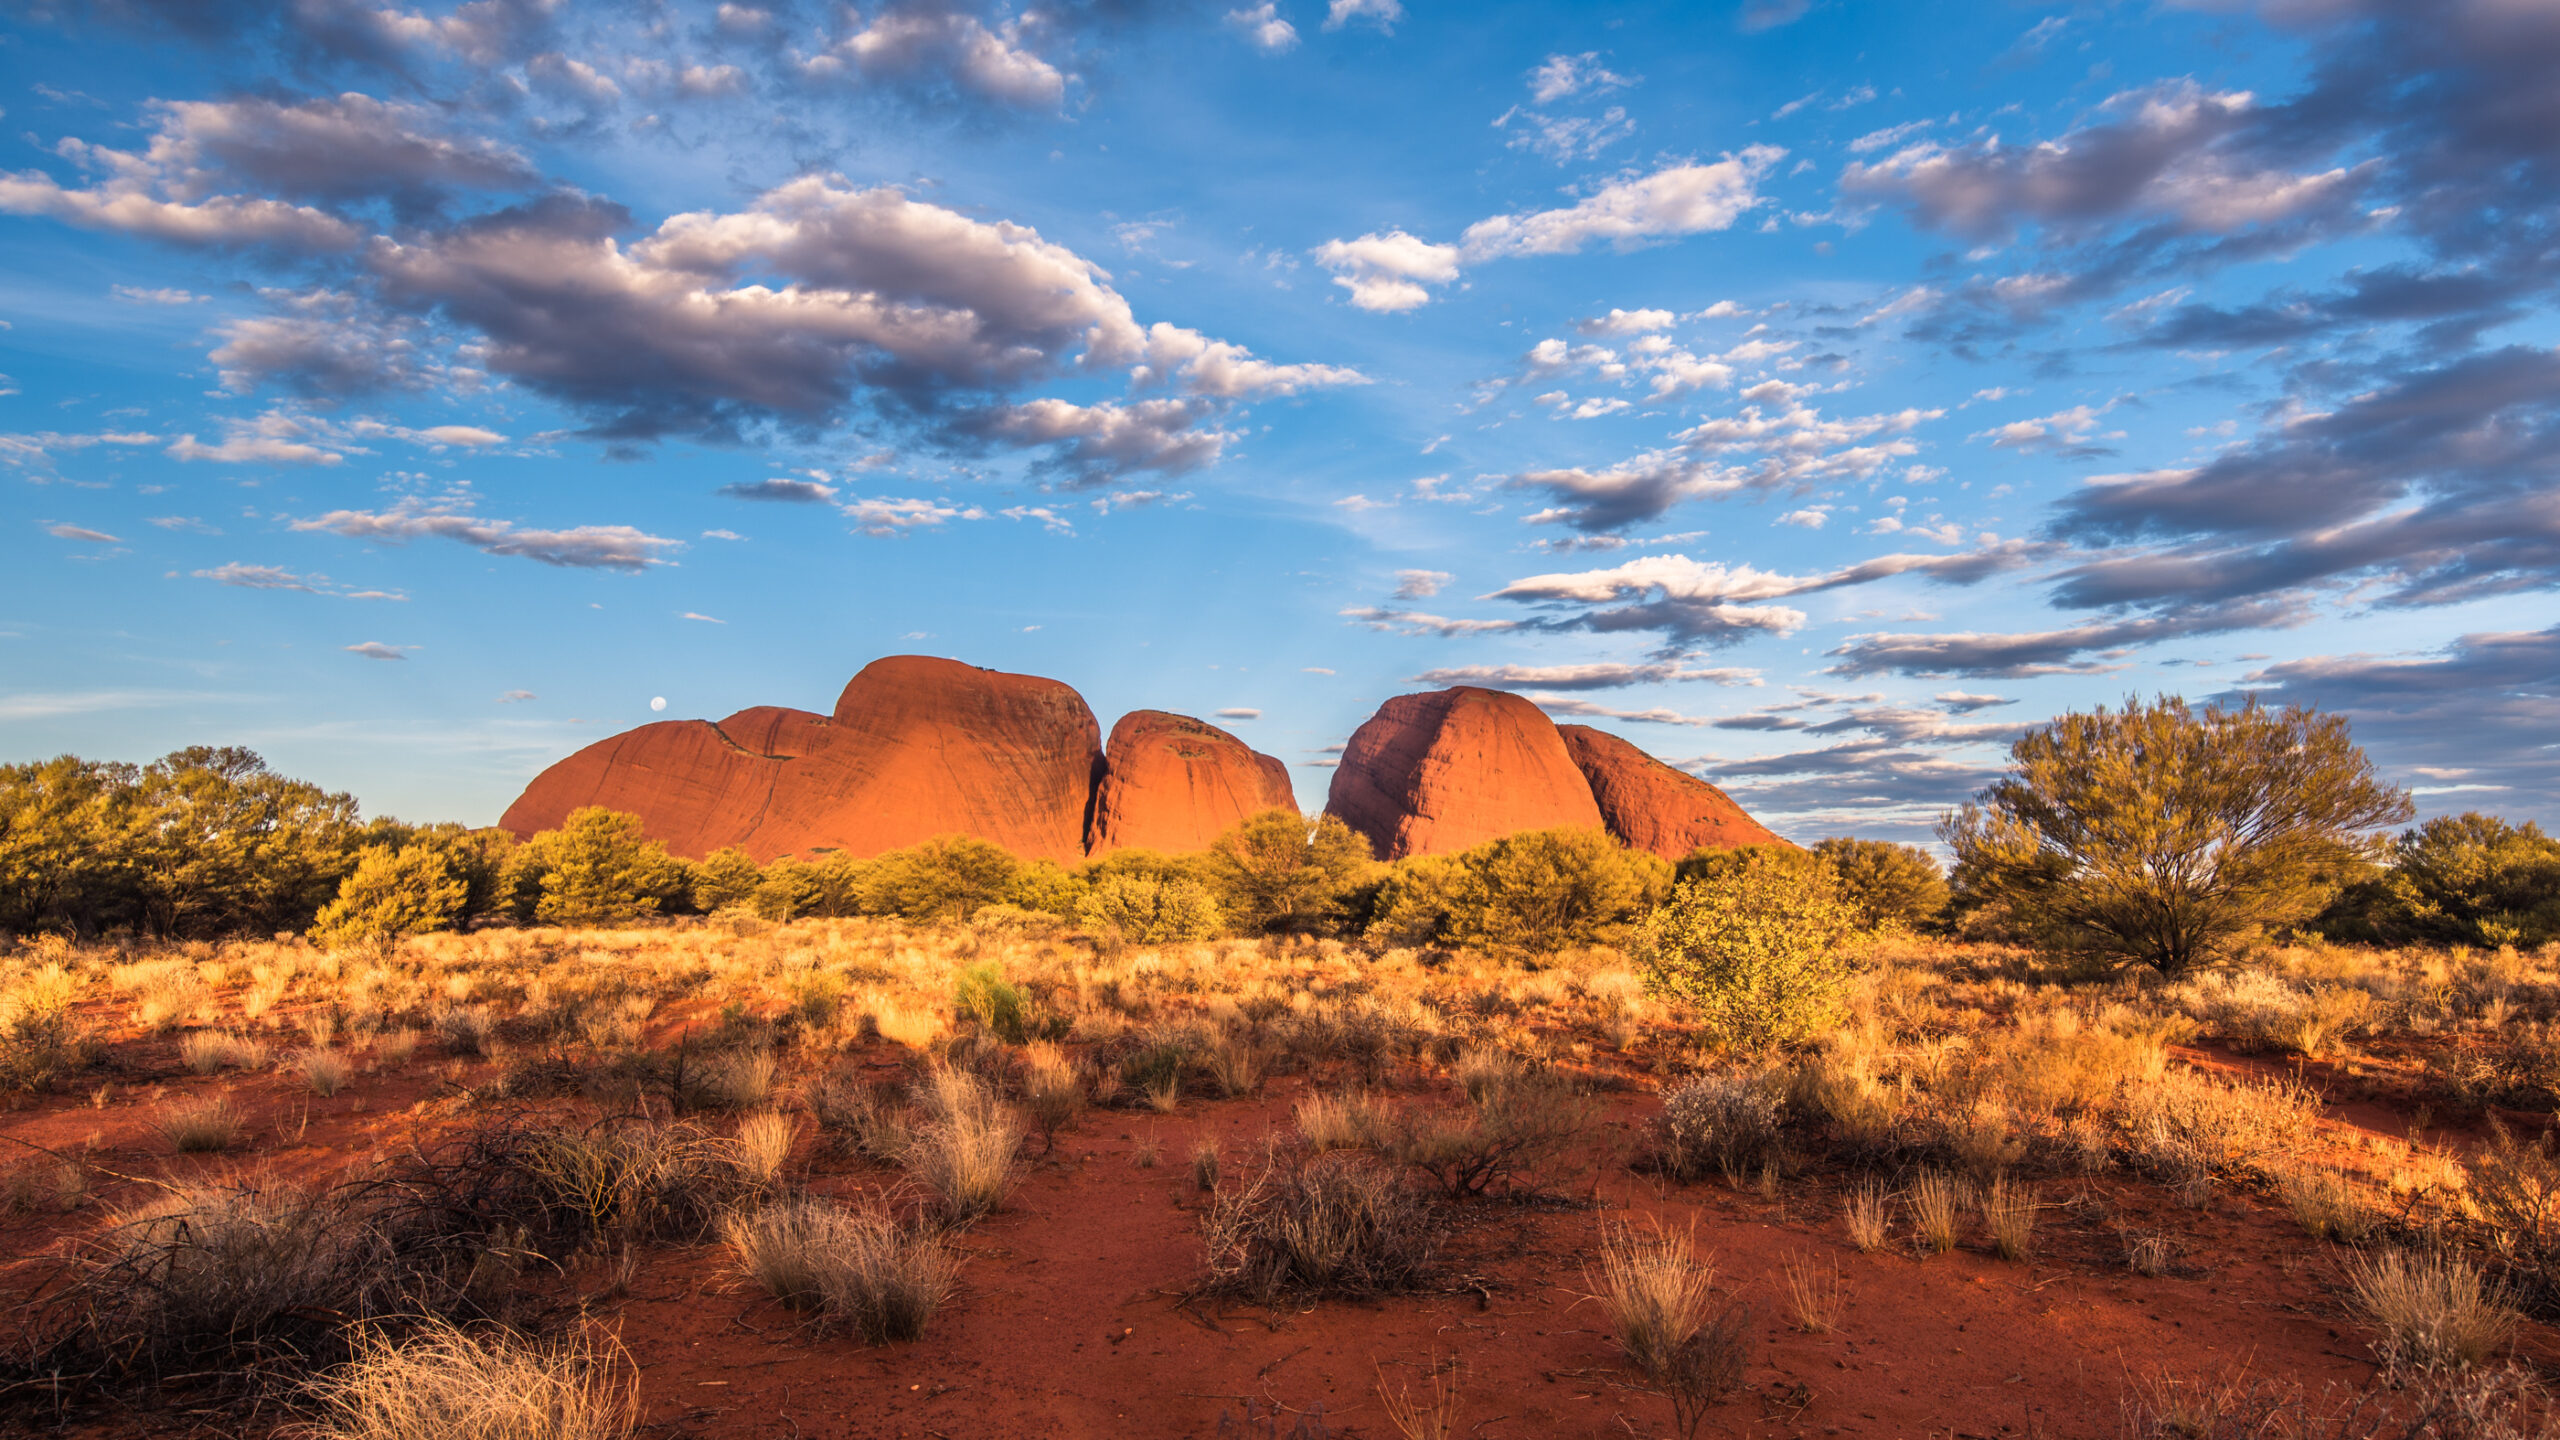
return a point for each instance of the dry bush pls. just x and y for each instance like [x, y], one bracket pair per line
[625, 1179]
[764, 1146]
[1868, 1215]
[2435, 1310]
[1813, 1294]
[202, 1127]
[1337, 1223]
[2495, 1402]
[1343, 1120]
[1937, 1203]
[865, 1115]
[43, 1183]
[466, 1029]
[1481, 1071]
[855, 1267]
[2515, 1190]
[1727, 1120]
[2009, 1215]
[2327, 1205]
[964, 1154]
[325, 1071]
[1052, 1092]
[733, 1080]
[1239, 1064]
[444, 1383]
[1655, 1296]
[2188, 1126]
[1510, 1142]
[206, 1051]
[1204, 1164]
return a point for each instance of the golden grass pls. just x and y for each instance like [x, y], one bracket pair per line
[1937, 1205]
[856, 1267]
[1813, 1294]
[445, 1383]
[2434, 1310]
[1432, 1415]
[202, 1127]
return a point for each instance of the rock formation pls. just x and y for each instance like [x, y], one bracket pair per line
[1172, 783]
[917, 747]
[1652, 806]
[1449, 769]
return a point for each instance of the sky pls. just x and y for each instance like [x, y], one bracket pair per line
[1816, 393]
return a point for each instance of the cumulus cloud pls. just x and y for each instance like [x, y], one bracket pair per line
[1389, 272]
[1382, 13]
[590, 547]
[928, 48]
[1626, 322]
[1264, 28]
[1097, 442]
[884, 516]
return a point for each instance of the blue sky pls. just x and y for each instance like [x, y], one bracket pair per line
[1814, 393]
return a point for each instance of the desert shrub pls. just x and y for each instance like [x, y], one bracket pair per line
[324, 1070]
[1888, 886]
[1751, 946]
[1148, 911]
[854, 1266]
[201, 1127]
[1528, 894]
[946, 878]
[1727, 1121]
[2186, 1126]
[1657, 1296]
[864, 1115]
[1052, 1090]
[2170, 836]
[1508, 1141]
[415, 889]
[1047, 887]
[446, 1383]
[2468, 879]
[1343, 1120]
[2515, 1189]
[596, 869]
[1332, 1224]
[964, 1153]
[206, 1051]
[2435, 1310]
[41, 1041]
[1280, 871]
[2326, 1205]
[725, 877]
[628, 1179]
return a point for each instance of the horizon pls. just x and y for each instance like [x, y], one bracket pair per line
[1814, 394]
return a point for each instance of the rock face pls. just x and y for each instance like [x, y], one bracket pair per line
[917, 747]
[1449, 769]
[1172, 783]
[1652, 806]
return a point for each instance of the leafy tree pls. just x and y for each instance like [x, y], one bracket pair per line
[63, 861]
[1891, 887]
[597, 868]
[2468, 879]
[1149, 911]
[945, 878]
[414, 889]
[727, 876]
[2168, 835]
[1048, 887]
[1283, 871]
[1532, 893]
[225, 846]
[1752, 945]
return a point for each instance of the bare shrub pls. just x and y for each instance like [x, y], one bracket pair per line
[2434, 1310]
[202, 1127]
[1728, 1120]
[1337, 1223]
[855, 1267]
[444, 1383]
[2515, 1189]
[1510, 1142]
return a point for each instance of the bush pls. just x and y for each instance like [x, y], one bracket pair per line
[1727, 1121]
[444, 1383]
[725, 877]
[945, 878]
[413, 890]
[2168, 836]
[1148, 911]
[40, 1040]
[1752, 946]
[1528, 894]
[855, 1267]
[2435, 1311]
[2469, 879]
[1332, 1224]
[1508, 1141]
[1890, 887]
[1281, 872]
[997, 1004]
[596, 869]
[1656, 1298]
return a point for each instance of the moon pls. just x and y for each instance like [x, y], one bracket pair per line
[658, 703]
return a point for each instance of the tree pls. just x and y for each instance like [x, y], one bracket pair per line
[1751, 944]
[727, 876]
[1891, 887]
[945, 878]
[1148, 911]
[1531, 893]
[1282, 871]
[2468, 879]
[2168, 835]
[597, 868]
[412, 890]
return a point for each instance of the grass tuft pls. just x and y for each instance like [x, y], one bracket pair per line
[2435, 1311]
[854, 1267]
[445, 1383]
[206, 1127]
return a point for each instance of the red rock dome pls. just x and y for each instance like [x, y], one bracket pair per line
[1652, 806]
[1449, 769]
[1173, 783]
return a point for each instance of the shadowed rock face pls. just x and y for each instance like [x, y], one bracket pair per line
[917, 747]
[1443, 771]
[1652, 806]
[1173, 783]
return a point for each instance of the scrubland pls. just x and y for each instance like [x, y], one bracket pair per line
[868, 1177]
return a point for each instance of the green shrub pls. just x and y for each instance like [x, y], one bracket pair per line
[1891, 887]
[945, 878]
[1752, 946]
[1048, 887]
[981, 991]
[725, 877]
[597, 868]
[2468, 879]
[1532, 893]
[413, 890]
[1281, 871]
[1149, 912]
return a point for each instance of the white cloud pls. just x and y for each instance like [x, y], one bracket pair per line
[1388, 272]
[926, 43]
[81, 533]
[1626, 322]
[1677, 200]
[607, 547]
[890, 517]
[136, 295]
[1239, 712]
[1420, 584]
[1563, 76]
[376, 650]
[1382, 13]
[1263, 26]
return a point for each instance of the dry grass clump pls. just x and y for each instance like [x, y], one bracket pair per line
[1337, 1223]
[764, 1146]
[203, 1127]
[868, 1117]
[2435, 1310]
[325, 1071]
[1342, 1120]
[964, 1153]
[1432, 1415]
[206, 1051]
[1727, 1120]
[1511, 1141]
[855, 1267]
[1937, 1204]
[2490, 1402]
[2009, 1216]
[625, 1179]
[1813, 1294]
[1655, 1294]
[1052, 1091]
[2185, 1126]
[2327, 1205]
[735, 1080]
[1867, 1210]
[1239, 1064]
[445, 1383]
